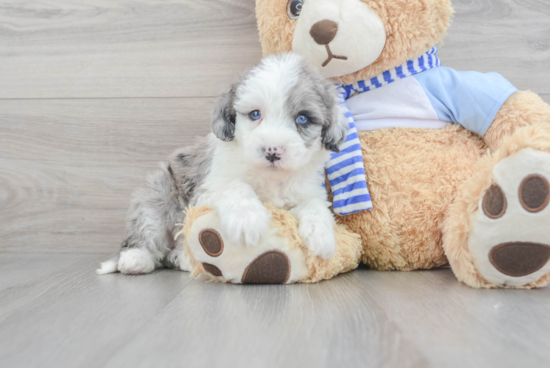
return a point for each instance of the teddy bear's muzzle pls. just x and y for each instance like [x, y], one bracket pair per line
[323, 32]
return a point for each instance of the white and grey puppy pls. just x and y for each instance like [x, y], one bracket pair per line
[271, 135]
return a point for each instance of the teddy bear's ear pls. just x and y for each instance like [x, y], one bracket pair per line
[334, 130]
[224, 116]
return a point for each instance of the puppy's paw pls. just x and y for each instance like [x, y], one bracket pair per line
[136, 261]
[177, 260]
[318, 237]
[247, 225]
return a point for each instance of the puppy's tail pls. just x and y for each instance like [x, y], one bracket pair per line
[110, 266]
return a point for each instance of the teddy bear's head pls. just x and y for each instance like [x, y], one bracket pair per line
[351, 40]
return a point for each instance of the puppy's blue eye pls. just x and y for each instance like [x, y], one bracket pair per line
[302, 119]
[255, 115]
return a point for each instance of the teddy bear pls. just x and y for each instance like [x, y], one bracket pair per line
[455, 164]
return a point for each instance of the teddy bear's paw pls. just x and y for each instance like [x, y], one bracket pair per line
[510, 237]
[272, 261]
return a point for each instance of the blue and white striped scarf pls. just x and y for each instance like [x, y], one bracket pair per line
[346, 171]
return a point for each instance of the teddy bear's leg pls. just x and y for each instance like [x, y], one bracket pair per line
[280, 257]
[274, 260]
[497, 232]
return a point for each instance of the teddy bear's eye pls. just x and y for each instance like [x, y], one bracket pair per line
[294, 8]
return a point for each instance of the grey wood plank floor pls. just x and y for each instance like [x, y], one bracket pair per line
[55, 312]
[93, 93]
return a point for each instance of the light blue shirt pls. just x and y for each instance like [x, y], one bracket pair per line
[471, 99]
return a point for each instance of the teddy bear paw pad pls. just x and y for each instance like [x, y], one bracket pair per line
[211, 269]
[510, 237]
[534, 193]
[212, 242]
[519, 258]
[269, 268]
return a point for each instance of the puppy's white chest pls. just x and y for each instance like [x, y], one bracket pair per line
[275, 192]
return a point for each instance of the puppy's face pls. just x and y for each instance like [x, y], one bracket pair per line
[282, 114]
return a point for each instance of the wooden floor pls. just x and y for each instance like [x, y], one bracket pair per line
[93, 93]
[55, 312]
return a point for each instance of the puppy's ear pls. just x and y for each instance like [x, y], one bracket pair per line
[334, 130]
[224, 116]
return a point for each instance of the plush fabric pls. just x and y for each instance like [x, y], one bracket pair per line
[522, 109]
[411, 189]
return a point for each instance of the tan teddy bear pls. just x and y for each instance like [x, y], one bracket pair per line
[457, 163]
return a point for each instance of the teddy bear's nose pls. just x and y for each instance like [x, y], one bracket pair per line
[324, 31]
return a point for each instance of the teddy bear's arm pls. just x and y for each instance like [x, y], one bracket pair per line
[522, 109]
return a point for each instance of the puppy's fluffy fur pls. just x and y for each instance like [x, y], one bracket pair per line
[242, 164]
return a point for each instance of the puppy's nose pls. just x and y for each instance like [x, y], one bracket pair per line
[272, 157]
[273, 154]
[323, 32]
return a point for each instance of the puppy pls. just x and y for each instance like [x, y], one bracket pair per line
[271, 135]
